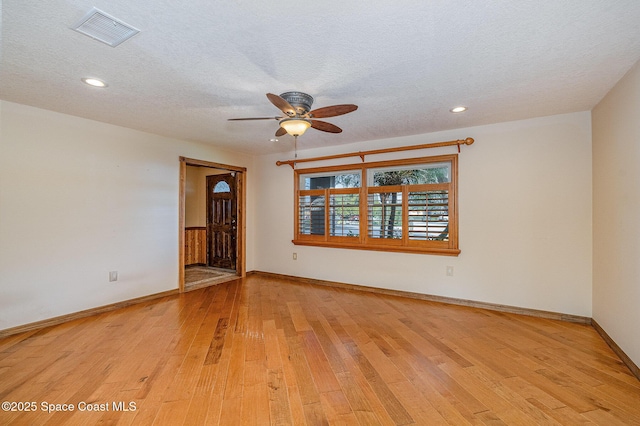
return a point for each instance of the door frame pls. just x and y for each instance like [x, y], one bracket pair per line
[241, 200]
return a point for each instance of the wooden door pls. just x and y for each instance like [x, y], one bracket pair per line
[222, 208]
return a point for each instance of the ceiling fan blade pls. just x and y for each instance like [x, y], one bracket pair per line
[325, 127]
[282, 104]
[254, 118]
[280, 132]
[333, 111]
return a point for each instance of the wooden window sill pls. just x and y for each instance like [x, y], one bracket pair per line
[379, 247]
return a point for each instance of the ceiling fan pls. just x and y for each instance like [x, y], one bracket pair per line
[298, 115]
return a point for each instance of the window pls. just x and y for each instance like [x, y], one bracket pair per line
[401, 205]
[340, 217]
[222, 186]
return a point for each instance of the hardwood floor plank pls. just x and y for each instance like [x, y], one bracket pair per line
[563, 415]
[295, 399]
[363, 401]
[171, 413]
[276, 351]
[603, 417]
[215, 402]
[398, 413]
[520, 409]
[271, 349]
[298, 317]
[235, 371]
[217, 343]
[323, 376]
[443, 348]
[481, 392]
[315, 415]
[255, 391]
[304, 379]
[526, 390]
[279, 411]
[337, 408]
[423, 413]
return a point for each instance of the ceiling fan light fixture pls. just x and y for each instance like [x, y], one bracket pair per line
[295, 126]
[298, 118]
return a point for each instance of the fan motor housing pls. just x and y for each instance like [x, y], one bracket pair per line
[300, 101]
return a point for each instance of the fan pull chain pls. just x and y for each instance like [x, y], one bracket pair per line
[295, 150]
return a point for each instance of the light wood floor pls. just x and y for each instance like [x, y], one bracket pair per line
[270, 351]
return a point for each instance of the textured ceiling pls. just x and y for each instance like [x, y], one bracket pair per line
[404, 63]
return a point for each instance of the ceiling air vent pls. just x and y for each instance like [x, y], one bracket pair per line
[105, 28]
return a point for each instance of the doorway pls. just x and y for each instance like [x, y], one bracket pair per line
[213, 240]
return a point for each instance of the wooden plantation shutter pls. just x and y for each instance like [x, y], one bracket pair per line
[419, 214]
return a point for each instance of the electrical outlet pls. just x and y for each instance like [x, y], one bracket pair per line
[295, 256]
[449, 271]
[113, 276]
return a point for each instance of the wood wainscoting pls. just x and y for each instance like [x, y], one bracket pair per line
[195, 245]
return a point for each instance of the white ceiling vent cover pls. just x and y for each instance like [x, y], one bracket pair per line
[105, 28]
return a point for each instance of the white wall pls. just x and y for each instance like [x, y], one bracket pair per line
[616, 213]
[78, 199]
[192, 189]
[195, 208]
[525, 220]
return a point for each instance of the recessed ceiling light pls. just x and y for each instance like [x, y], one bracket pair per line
[94, 82]
[273, 140]
[458, 109]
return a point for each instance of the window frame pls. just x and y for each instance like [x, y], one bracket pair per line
[363, 241]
